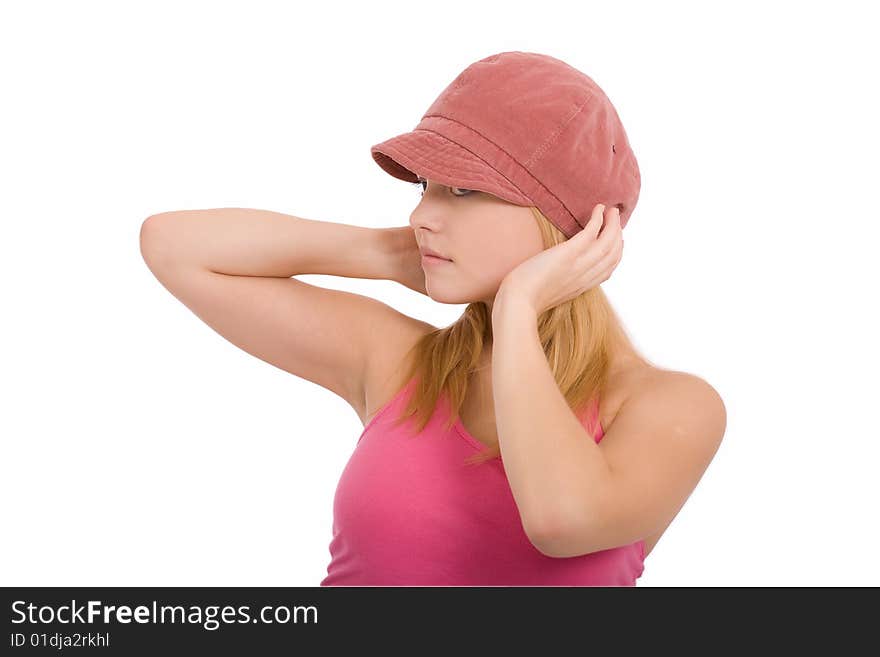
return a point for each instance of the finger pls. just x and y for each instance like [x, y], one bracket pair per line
[601, 270]
[610, 242]
[611, 230]
[594, 225]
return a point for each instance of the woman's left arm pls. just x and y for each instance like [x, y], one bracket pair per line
[576, 496]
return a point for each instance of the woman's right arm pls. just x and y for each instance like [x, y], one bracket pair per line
[234, 268]
[247, 242]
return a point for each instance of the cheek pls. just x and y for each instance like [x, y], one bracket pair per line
[488, 266]
[508, 251]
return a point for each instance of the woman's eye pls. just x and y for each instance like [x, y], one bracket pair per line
[424, 185]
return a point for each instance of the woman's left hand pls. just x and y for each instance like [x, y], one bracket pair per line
[570, 268]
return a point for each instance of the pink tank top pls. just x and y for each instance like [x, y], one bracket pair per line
[408, 511]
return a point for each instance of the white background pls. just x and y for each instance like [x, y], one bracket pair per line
[141, 448]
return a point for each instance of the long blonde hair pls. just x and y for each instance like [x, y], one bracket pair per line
[577, 337]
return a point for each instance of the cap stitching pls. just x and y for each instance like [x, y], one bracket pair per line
[471, 152]
[397, 151]
[513, 159]
[551, 139]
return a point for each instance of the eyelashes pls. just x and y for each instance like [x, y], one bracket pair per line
[423, 184]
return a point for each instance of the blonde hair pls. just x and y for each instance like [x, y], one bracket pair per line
[577, 337]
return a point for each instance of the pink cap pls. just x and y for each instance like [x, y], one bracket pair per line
[527, 128]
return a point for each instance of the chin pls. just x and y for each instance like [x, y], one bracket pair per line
[443, 296]
[460, 290]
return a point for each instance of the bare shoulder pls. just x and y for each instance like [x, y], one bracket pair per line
[693, 395]
[389, 360]
[664, 436]
[681, 400]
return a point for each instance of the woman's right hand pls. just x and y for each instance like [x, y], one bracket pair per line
[406, 259]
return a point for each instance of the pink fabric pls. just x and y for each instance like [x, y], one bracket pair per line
[408, 511]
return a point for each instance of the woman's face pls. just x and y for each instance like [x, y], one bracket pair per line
[484, 236]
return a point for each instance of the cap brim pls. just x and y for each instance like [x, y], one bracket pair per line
[430, 155]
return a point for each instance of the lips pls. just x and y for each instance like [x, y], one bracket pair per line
[430, 252]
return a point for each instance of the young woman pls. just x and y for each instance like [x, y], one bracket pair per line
[528, 443]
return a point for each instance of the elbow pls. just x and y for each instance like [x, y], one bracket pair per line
[561, 539]
[155, 243]
[542, 546]
[558, 545]
[547, 543]
[148, 238]
[546, 538]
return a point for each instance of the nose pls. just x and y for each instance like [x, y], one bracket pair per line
[430, 214]
[425, 218]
